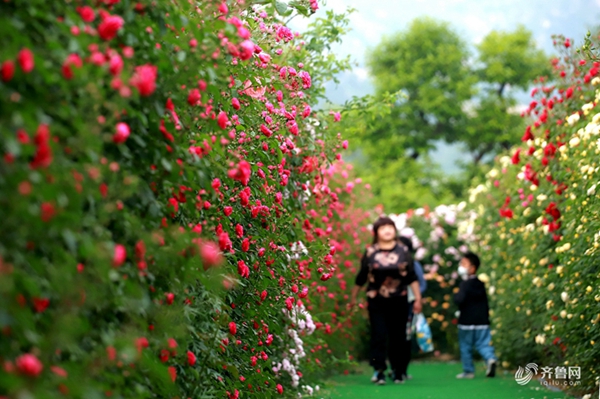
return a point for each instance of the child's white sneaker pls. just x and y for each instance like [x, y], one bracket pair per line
[465, 376]
[375, 377]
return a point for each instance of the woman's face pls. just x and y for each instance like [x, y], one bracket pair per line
[386, 233]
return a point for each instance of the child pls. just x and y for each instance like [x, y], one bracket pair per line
[473, 322]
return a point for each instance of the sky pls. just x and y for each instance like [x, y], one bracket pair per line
[472, 19]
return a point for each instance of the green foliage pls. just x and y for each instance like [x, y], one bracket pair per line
[405, 183]
[492, 127]
[427, 63]
[443, 96]
[321, 35]
[511, 58]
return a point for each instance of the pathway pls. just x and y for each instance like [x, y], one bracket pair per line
[437, 380]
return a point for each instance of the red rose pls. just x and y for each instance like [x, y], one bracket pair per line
[170, 298]
[210, 254]
[141, 343]
[120, 254]
[86, 13]
[191, 358]
[144, 79]
[109, 27]
[245, 244]
[115, 64]
[7, 70]
[241, 173]
[47, 211]
[59, 371]
[194, 97]
[224, 242]
[26, 61]
[29, 365]
[222, 120]
[40, 304]
[173, 373]
[243, 269]
[246, 50]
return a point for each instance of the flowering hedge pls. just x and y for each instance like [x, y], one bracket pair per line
[168, 209]
[539, 228]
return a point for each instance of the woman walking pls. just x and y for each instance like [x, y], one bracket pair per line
[388, 268]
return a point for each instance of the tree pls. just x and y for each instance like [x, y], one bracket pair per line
[510, 58]
[447, 95]
[492, 126]
[428, 63]
[505, 59]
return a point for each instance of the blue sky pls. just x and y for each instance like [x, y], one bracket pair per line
[472, 19]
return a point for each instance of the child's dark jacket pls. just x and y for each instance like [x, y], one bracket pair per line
[472, 302]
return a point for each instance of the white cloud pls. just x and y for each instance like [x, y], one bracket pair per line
[518, 109]
[361, 73]
[371, 30]
[547, 24]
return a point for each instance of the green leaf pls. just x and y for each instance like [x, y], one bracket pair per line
[139, 140]
[281, 7]
[70, 240]
[302, 9]
[166, 164]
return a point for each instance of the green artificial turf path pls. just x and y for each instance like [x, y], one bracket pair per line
[436, 381]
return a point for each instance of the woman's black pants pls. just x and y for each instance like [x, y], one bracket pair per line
[388, 317]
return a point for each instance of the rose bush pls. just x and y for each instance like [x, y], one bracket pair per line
[169, 212]
[538, 227]
[346, 225]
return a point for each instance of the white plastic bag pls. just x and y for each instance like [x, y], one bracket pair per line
[423, 333]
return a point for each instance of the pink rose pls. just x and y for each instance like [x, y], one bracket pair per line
[120, 253]
[144, 79]
[121, 133]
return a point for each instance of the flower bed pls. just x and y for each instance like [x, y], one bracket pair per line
[538, 229]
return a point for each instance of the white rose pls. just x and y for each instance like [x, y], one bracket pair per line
[572, 119]
[563, 313]
[574, 142]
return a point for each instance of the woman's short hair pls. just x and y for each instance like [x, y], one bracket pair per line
[382, 221]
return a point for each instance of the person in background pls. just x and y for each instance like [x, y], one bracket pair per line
[407, 353]
[473, 321]
[388, 269]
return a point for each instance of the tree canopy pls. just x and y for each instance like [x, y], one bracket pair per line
[447, 93]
